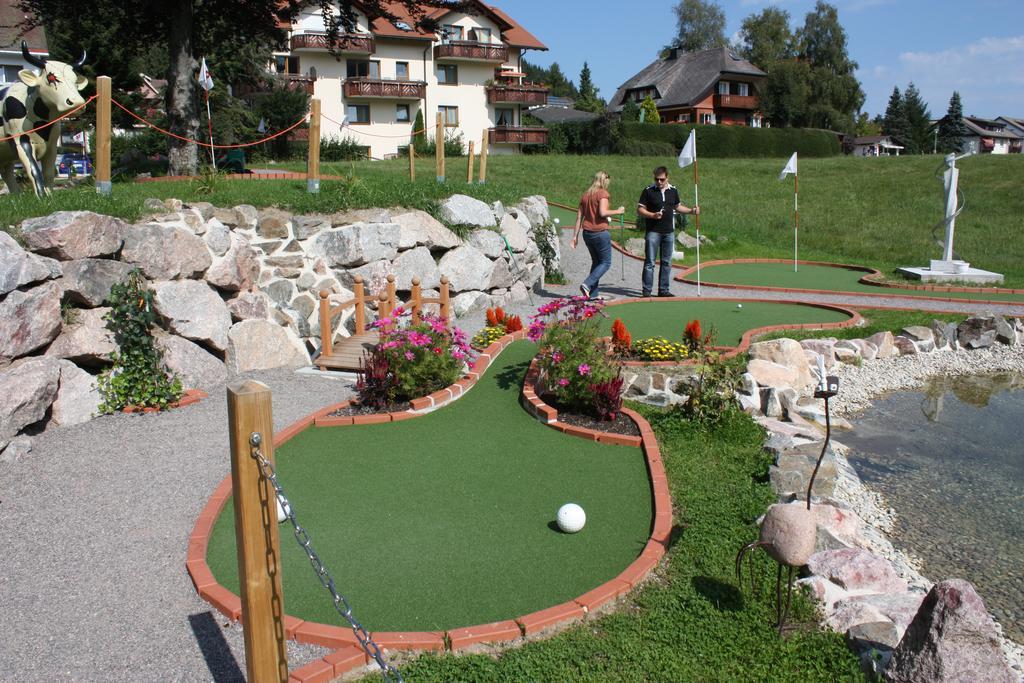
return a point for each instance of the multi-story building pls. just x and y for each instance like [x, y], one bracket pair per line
[469, 70]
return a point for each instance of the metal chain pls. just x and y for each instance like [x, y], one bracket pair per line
[341, 604]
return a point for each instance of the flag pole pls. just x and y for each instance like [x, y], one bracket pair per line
[209, 122]
[796, 215]
[696, 204]
[622, 243]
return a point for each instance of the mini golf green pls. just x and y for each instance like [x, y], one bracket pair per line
[668, 319]
[444, 520]
[828, 278]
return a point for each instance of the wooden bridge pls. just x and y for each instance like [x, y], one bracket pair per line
[347, 353]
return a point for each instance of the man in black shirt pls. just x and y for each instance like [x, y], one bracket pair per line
[659, 204]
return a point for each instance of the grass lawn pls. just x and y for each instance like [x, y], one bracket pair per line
[875, 320]
[443, 521]
[668, 318]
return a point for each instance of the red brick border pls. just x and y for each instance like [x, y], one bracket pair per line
[189, 397]
[869, 279]
[348, 656]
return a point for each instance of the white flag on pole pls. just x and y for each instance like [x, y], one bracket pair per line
[205, 80]
[689, 153]
[79, 138]
[262, 128]
[790, 167]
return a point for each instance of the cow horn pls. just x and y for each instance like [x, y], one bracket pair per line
[34, 61]
[81, 60]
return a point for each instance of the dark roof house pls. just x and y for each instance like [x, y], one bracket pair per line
[710, 86]
[986, 136]
[11, 61]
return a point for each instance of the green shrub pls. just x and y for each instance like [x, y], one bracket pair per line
[453, 145]
[341, 149]
[739, 141]
[138, 376]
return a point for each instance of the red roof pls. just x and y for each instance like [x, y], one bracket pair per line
[10, 34]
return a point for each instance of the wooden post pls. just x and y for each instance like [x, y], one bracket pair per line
[360, 305]
[412, 161]
[415, 300]
[391, 293]
[313, 163]
[326, 333]
[483, 157]
[383, 310]
[259, 552]
[469, 168]
[103, 135]
[445, 301]
[439, 147]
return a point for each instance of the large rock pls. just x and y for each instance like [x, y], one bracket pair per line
[416, 263]
[977, 332]
[77, 400]
[263, 345]
[305, 227]
[467, 268]
[535, 208]
[273, 224]
[952, 638]
[351, 216]
[468, 302]
[280, 291]
[197, 368]
[419, 228]
[29, 320]
[488, 242]
[945, 334]
[87, 282]
[194, 311]
[357, 244]
[822, 347]
[857, 569]
[901, 608]
[460, 209]
[788, 353]
[69, 235]
[237, 269]
[920, 334]
[885, 343]
[27, 389]
[249, 306]
[87, 341]
[502, 275]
[518, 237]
[19, 267]
[769, 374]
[165, 253]
[1005, 332]
[788, 533]
[217, 237]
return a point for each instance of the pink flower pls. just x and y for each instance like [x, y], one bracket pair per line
[437, 350]
[557, 357]
[563, 382]
[583, 369]
[409, 355]
[398, 311]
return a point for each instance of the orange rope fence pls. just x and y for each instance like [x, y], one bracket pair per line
[50, 123]
[373, 135]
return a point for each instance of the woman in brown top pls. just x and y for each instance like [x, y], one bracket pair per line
[592, 218]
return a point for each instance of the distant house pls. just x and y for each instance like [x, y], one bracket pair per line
[11, 61]
[709, 87]
[987, 136]
[1014, 125]
[875, 146]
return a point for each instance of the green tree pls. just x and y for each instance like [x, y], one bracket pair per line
[786, 95]
[766, 39]
[649, 111]
[281, 107]
[894, 122]
[951, 128]
[588, 99]
[836, 94]
[630, 112]
[553, 77]
[419, 137]
[867, 126]
[919, 128]
[700, 26]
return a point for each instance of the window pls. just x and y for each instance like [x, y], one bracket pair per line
[402, 113]
[743, 89]
[447, 74]
[450, 115]
[480, 35]
[451, 32]
[402, 71]
[723, 87]
[9, 73]
[504, 117]
[287, 65]
[682, 118]
[707, 119]
[362, 68]
[358, 113]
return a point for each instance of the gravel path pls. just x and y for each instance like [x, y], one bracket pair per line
[96, 519]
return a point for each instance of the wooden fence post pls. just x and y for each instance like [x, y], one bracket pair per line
[259, 552]
[414, 300]
[412, 161]
[445, 300]
[469, 168]
[483, 158]
[313, 163]
[103, 185]
[326, 333]
[439, 147]
[391, 293]
[360, 305]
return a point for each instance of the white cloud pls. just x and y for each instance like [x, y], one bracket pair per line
[988, 73]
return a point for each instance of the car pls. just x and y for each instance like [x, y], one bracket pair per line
[80, 163]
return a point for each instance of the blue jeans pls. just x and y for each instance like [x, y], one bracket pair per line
[599, 244]
[653, 242]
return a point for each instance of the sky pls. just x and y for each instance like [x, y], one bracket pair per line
[975, 47]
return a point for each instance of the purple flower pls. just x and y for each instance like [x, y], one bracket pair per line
[557, 357]
[583, 369]
[563, 382]
[409, 355]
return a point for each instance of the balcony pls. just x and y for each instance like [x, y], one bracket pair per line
[290, 81]
[471, 51]
[376, 87]
[735, 102]
[517, 94]
[518, 135]
[348, 43]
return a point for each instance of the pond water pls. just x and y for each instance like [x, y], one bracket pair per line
[950, 459]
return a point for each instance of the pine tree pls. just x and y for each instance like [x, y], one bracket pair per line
[630, 112]
[419, 133]
[951, 128]
[650, 111]
[588, 100]
[918, 121]
[894, 123]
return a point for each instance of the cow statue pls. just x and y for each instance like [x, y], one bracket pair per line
[24, 106]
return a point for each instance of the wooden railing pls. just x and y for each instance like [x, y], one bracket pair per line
[521, 94]
[375, 87]
[735, 102]
[328, 313]
[471, 50]
[523, 135]
[362, 43]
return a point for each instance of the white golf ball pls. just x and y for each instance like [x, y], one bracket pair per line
[571, 518]
[739, 305]
[557, 221]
